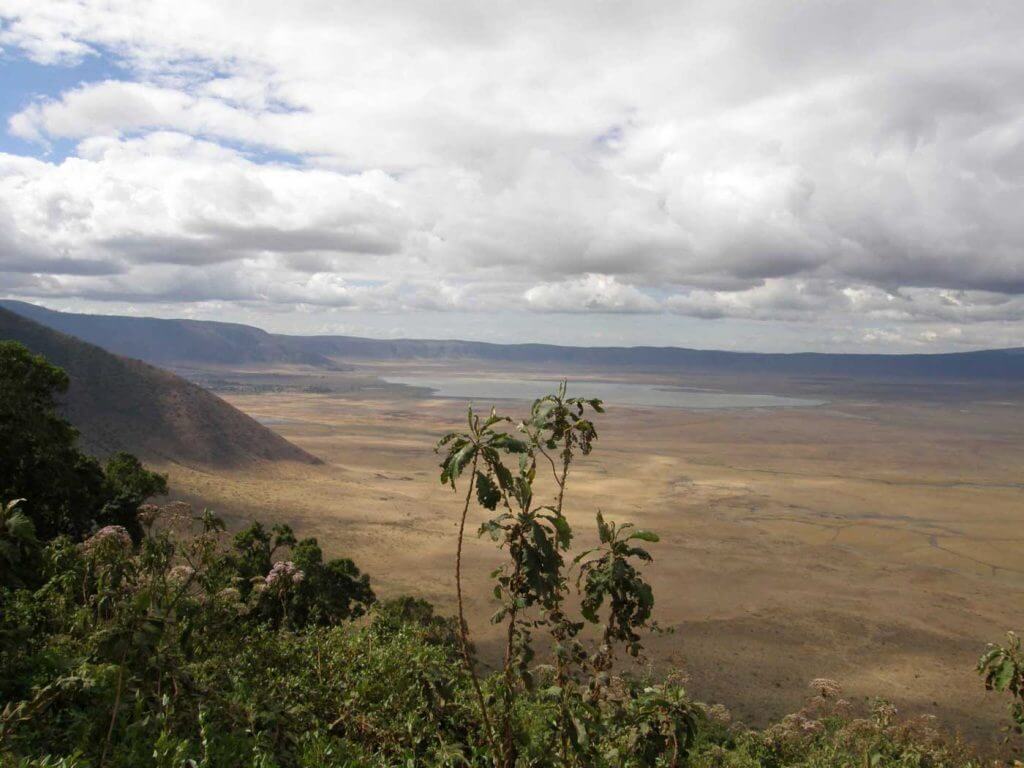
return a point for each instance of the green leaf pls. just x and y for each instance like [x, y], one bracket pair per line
[462, 458]
[582, 738]
[502, 474]
[524, 466]
[486, 492]
[583, 554]
[510, 444]
[19, 526]
[644, 535]
[494, 419]
[491, 528]
[1005, 674]
[445, 440]
[563, 528]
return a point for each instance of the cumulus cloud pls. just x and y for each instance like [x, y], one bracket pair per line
[601, 293]
[169, 197]
[774, 162]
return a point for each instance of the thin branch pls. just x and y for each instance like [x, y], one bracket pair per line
[463, 631]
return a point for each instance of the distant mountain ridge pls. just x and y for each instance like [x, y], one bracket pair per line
[121, 404]
[162, 342]
[195, 341]
[987, 364]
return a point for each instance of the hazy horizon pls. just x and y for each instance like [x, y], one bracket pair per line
[471, 339]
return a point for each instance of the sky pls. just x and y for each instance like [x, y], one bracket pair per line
[762, 175]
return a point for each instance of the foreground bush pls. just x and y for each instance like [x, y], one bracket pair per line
[126, 646]
[385, 695]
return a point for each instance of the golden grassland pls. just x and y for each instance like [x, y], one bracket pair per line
[877, 542]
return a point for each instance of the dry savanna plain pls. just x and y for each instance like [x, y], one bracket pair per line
[876, 538]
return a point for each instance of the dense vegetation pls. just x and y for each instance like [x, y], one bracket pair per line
[135, 634]
[65, 491]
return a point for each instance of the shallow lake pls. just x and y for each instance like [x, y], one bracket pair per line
[481, 390]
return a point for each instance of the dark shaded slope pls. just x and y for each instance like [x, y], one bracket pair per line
[122, 404]
[164, 342]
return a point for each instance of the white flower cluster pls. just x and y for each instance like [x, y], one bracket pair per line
[284, 572]
[112, 536]
[826, 687]
[179, 574]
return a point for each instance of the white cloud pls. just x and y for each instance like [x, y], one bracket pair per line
[776, 162]
[601, 293]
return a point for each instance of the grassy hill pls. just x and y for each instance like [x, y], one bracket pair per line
[166, 342]
[123, 404]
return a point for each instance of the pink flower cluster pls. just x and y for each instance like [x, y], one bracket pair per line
[284, 572]
[181, 573]
[113, 536]
[825, 687]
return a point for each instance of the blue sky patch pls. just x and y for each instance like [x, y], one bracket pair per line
[23, 82]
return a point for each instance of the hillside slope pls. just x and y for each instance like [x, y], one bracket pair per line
[195, 341]
[165, 342]
[122, 404]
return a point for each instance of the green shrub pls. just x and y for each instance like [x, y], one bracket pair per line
[1002, 667]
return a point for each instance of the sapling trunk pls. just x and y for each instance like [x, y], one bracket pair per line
[463, 636]
[508, 745]
[116, 708]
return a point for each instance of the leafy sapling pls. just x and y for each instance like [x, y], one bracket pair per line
[1002, 667]
[610, 575]
[532, 586]
[478, 447]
